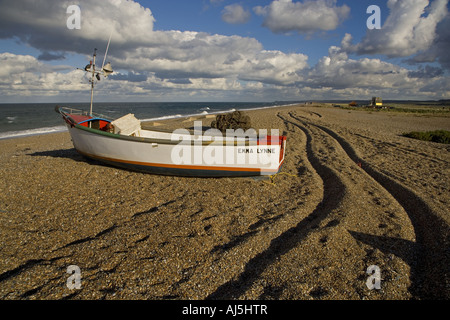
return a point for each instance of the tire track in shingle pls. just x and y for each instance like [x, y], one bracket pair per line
[430, 271]
[333, 192]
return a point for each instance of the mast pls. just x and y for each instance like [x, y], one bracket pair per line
[92, 80]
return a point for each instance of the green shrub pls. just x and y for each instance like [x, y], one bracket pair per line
[440, 136]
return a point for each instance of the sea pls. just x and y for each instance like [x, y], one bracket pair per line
[25, 119]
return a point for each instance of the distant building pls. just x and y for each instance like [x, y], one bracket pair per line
[376, 102]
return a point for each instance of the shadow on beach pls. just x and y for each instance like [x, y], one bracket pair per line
[71, 153]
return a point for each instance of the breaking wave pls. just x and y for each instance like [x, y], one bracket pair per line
[32, 132]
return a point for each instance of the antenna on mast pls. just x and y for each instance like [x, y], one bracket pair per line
[107, 47]
[107, 69]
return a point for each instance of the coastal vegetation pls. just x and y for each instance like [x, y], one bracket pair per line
[436, 108]
[440, 136]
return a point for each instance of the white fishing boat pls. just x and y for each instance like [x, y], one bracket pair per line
[124, 143]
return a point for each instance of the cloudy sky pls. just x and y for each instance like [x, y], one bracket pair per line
[225, 50]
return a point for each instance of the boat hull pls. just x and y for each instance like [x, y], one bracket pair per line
[178, 158]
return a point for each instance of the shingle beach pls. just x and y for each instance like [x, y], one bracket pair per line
[352, 193]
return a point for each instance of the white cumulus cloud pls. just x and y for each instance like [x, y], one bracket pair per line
[201, 55]
[190, 64]
[282, 16]
[235, 14]
[43, 24]
[410, 28]
[139, 49]
[25, 75]
[337, 70]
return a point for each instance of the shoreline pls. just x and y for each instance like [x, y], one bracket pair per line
[62, 128]
[352, 193]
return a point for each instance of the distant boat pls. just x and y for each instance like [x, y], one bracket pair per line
[124, 143]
